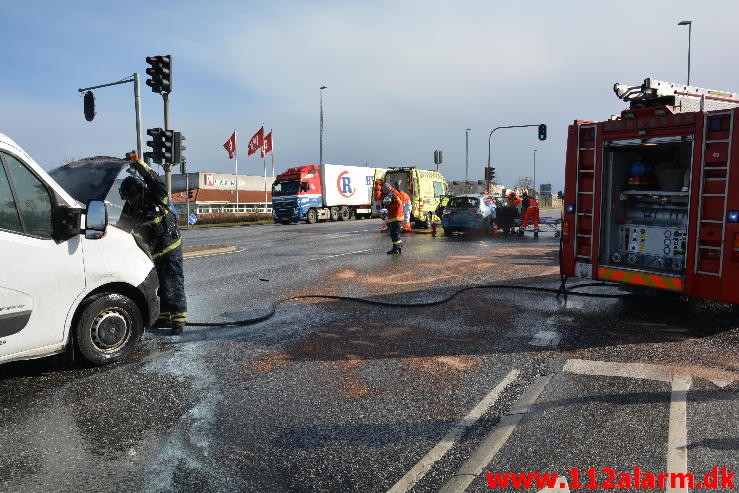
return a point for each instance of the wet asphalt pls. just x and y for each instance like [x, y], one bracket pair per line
[335, 395]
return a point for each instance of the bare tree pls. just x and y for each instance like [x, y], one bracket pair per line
[524, 183]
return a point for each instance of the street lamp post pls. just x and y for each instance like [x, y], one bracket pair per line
[320, 145]
[690, 27]
[466, 154]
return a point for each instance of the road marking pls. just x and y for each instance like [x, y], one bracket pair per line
[546, 338]
[447, 442]
[494, 441]
[611, 369]
[349, 253]
[677, 433]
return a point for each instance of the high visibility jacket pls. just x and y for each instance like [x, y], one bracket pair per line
[404, 197]
[154, 220]
[530, 202]
[394, 206]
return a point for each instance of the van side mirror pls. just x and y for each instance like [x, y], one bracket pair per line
[96, 219]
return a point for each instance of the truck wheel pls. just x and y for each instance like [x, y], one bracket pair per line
[345, 214]
[334, 213]
[311, 217]
[108, 329]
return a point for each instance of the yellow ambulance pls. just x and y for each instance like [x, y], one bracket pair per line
[424, 187]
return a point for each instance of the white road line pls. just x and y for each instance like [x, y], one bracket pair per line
[545, 338]
[613, 369]
[494, 441]
[447, 442]
[677, 434]
[349, 253]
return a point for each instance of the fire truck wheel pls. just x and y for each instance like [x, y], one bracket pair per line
[311, 217]
[108, 328]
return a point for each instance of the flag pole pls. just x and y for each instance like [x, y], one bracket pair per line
[236, 161]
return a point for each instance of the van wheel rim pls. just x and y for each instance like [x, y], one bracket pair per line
[110, 330]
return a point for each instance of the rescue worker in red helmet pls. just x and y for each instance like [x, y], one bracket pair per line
[530, 211]
[148, 213]
[394, 205]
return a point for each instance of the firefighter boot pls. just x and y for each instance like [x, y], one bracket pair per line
[394, 251]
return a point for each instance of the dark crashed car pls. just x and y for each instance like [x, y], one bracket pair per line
[469, 213]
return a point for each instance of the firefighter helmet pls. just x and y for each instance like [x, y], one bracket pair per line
[130, 187]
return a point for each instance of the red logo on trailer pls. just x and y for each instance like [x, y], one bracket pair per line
[344, 184]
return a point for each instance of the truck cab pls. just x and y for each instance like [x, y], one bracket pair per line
[71, 282]
[295, 192]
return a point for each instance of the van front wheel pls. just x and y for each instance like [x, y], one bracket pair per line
[108, 329]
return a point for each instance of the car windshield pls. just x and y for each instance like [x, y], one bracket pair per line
[285, 188]
[464, 202]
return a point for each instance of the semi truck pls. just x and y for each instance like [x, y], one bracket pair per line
[424, 187]
[651, 195]
[322, 192]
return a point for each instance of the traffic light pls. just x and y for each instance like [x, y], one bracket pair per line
[438, 157]
[189, 193]
[168, 146]
[177, 148]
[160, 73]
[490, 174]
[542, 131]
[89, 106]
[157, 145]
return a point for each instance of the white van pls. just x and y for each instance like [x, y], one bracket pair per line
[68, 281]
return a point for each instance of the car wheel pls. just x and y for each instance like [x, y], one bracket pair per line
[108, 329]
[448, 231]
[311, 217]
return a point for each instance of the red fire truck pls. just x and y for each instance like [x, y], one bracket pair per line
[652, 195]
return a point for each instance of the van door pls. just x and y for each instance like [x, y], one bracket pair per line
[39, 279]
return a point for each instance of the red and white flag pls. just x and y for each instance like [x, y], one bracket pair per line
[256, 142]
[267, 147]
[230, 145]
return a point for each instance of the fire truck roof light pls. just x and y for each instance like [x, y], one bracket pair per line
[570, 209]
[732, 216]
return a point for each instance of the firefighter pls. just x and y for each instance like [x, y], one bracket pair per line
[406, 209]
[394, 204]
[148, 212]
[530, 211]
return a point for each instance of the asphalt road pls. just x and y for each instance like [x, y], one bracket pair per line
[336, 395]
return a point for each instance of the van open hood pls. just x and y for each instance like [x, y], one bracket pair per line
[90, 178]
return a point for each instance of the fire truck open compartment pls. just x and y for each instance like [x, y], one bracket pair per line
[645, 203]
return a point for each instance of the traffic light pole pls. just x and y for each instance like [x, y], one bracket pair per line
[137, 100]
[491, 136]
[167, 166]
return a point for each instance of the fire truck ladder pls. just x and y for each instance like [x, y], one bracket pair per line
[585, 200]
[684, 98]
[713, 195]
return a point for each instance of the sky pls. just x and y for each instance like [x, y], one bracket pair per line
[403, 78]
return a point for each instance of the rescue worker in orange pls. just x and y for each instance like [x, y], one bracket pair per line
[514, 201]
[394, 205]
[530, 211]
[406, 209]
